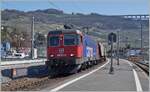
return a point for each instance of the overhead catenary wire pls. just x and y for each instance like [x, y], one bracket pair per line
[54, 5]
[77, 6]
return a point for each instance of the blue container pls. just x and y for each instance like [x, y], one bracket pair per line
[6, 73]
[89, 47]
[38, 71]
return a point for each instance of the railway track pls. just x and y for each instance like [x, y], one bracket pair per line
[31, 84]
[22, 84]
[35, 84]
[143, 66]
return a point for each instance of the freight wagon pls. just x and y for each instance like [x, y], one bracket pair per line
[69, 51]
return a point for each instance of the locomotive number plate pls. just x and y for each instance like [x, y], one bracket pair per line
[61, 50]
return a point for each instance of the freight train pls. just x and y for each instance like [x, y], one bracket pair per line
[69, 51]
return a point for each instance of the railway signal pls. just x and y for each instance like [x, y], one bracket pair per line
[111, 38]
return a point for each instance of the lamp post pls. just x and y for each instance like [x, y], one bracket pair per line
[141, 32]
[111, 64]
[118, 47]
[32, 38]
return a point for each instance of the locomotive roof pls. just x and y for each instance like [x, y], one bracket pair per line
[65, 31]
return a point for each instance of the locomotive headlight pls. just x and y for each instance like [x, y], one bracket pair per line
[71, 55]
[51, 55]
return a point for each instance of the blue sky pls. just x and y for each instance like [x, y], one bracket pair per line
[107, 7]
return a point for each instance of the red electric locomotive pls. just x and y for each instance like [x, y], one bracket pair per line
[69, 51]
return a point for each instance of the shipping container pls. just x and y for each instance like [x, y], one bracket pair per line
[89, 47]
[37, 71]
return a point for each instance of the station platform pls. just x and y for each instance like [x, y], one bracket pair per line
[126, 77]
[21, 63]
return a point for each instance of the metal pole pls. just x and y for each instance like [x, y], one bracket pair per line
[32, 38]
[111, 65]
[126, 47]
[118, 48]
[141, 38]
[141, 33]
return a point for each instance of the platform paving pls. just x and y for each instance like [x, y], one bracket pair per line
[123, 79]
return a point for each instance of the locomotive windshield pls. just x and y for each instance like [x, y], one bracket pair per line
[71, 39]
[54, 41]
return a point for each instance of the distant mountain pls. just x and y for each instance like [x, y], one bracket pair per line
[50, 16]
[48, 11]
[11, 14]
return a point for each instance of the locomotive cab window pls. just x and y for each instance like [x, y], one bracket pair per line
[71, 39]
[54, 41]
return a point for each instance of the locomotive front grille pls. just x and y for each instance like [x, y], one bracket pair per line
[61, 61]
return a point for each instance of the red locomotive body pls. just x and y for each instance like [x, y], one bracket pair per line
[64, 49]
[69, 51]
